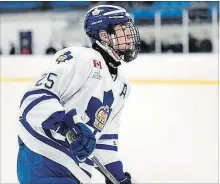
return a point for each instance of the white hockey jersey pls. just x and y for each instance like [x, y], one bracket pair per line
[78, 78]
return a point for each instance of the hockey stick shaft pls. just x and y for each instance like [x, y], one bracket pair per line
[104, 170]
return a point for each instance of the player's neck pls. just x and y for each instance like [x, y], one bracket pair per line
[108, 60]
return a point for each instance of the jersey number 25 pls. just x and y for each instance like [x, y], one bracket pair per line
[47, 80]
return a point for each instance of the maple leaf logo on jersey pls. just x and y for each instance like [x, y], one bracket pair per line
[66, 56]
[98, 111]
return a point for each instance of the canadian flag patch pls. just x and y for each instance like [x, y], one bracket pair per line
[97, 64]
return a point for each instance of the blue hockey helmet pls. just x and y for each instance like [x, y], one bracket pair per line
[112, 28]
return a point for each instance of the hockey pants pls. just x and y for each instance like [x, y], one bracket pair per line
[33, 168]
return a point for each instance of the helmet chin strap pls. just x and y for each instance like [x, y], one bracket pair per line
[110, 51]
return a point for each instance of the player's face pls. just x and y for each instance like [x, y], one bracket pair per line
[123, 40]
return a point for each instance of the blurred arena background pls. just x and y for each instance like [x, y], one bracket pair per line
[172, 111]
[35, 27]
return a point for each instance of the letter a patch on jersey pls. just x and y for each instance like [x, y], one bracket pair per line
[97, 64]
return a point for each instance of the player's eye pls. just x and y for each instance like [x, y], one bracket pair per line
[128, 37]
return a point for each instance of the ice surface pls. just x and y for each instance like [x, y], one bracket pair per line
[168, 133]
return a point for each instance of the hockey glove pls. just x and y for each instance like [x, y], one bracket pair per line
[116, 169]
[127, 179]
[81, 139]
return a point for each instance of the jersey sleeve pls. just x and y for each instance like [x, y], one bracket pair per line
[41, 109]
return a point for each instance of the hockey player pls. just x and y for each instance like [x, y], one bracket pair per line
[73, 109]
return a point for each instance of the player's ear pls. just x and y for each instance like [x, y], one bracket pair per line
[104, 36]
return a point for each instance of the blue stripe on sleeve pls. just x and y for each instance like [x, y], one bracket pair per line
[37, 135]
[46, 140]
[89, 162]
[54, 120]
[106, 147]
[39, 91]
[35, 102]
[61, 142]
[87, 172]
[109, 136]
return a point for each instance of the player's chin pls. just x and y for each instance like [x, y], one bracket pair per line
[116, 53]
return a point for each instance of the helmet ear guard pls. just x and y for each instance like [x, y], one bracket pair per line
[104, 37]
[110, 52]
